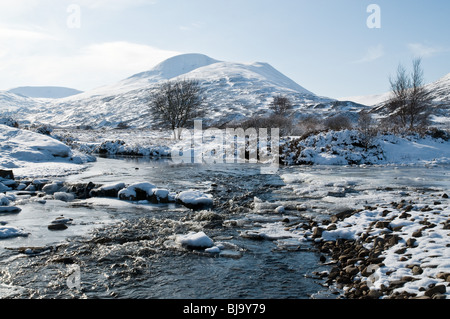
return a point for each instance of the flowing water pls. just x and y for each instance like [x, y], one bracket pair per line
[118, 249]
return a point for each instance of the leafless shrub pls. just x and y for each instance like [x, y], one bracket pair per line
[338, 123]
[410, 104]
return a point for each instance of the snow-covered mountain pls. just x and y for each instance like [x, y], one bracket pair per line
[233, 91]
[440, 93]
[11, 103]
[45, 92]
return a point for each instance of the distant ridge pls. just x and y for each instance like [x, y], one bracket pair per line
[46, 92]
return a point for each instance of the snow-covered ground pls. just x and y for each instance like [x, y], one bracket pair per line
[350, 147]
[31, 154]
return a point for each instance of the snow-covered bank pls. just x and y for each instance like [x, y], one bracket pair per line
[347, 147]
[32, 155]
[390, 251]
[351, 147]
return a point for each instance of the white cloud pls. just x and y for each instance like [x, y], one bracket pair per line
[113, 4]
[87, 68]
[191, 26]
[373, 53]
[8, 33]
[421, 50]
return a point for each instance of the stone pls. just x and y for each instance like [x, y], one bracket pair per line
[411, 242]
[400, 251]
[351, 270]
[342, 215]
[444, 276]
[6, 174]
[417, 234]
[51, 189]
[109, 190]
[317, 232]
[374, 294]
[438, 289]
[10, 210]
[416, 270]
[378, 242]
[382, 224]
[59, 226]
[391, 240]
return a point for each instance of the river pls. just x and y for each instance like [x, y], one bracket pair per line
[118, 249]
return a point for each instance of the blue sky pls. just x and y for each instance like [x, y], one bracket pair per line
[324, 45]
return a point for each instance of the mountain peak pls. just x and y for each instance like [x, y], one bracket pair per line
[177, 65]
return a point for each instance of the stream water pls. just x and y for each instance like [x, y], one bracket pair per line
[118, 249]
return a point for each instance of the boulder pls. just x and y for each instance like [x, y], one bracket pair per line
[65, 197]
[195, 240]
[52, 188]
[438, 289]
[6, 174]
[195, 200]
[109, 190]
[4, 188]
[57, 226]
[136, 192]
[9, 210]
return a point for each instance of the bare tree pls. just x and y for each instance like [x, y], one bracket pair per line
[420, 98]
[175, 104]
[366, 126]
[410, 104]
[280, 105]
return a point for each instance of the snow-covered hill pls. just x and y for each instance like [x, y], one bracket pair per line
[45, 92]
[233, 91]
[11, 103]
[440, 93]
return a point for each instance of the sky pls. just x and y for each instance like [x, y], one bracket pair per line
[334, 48]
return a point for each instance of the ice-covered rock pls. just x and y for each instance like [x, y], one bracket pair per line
[4, 201]
[65, 197]
[52, 188]
[109, 190]
[9, 232]
[4, 188]
[195, 199]
[195, 240]
[160, 195]
[280, 210]
[144, 192]
[9, 210]
[213, 250]
[6, 174]
[136, 192]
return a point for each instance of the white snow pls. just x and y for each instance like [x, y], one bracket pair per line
[369, 100]
[65, 197]
[233, 90]
[195, 198]
[9, 232]
[429, 252]
[195, 240]
[31, 154]
[344, 147]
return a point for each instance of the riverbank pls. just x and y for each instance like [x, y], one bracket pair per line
[394, 251]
